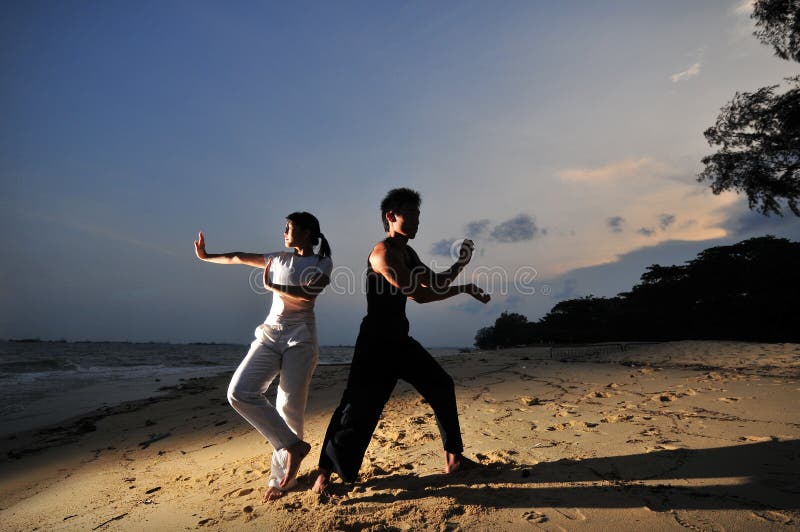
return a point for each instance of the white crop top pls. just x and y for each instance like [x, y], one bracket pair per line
[293, 270]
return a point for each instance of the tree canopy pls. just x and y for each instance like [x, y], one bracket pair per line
[757, 134]
[778, 23]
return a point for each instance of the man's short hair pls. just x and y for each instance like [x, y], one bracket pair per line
[395, 199]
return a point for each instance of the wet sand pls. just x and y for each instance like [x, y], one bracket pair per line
[698, 435]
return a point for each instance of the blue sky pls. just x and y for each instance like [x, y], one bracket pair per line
[129, 126]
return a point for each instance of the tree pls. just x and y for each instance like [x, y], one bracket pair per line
[758, 133]
[484, 339]
[509, 329]
[778, 23]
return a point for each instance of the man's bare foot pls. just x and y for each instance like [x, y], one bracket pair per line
[322, 482]
[458, 462]
[273, 494]
[295, 454]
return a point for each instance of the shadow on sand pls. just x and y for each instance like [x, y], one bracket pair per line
[750, 476]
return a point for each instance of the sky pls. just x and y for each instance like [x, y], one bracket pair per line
[564, 138]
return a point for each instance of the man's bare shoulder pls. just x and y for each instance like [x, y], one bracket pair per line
[385, 251]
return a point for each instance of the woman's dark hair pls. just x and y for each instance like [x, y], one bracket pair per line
[309, 222]
[395, 199]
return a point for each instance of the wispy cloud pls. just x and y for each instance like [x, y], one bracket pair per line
[665, 220]
[615, 171]
[443, 247]
[477, 228]
[638, 189]
[519, 228]
[101, 231]
[743, 23]
[744, 8]
[616, 223]
[689, 73]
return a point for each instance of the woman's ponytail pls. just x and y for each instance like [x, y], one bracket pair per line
[324, 247]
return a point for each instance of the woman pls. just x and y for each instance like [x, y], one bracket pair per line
[285, 344]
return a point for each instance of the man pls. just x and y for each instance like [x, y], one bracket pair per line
[385, 352]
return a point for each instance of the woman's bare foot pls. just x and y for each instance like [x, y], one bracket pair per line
[273, 494]
[295, 454]
[458, 462]
[322, 482]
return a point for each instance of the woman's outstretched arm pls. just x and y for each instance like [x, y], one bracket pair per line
[255, 260]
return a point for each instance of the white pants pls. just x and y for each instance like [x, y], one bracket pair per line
[288, 350]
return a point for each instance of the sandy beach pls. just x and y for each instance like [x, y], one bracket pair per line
[697, 435]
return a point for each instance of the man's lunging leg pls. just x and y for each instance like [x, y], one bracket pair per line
[352, 424]
[437, 387]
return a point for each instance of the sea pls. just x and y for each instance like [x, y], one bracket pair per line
[43, 383]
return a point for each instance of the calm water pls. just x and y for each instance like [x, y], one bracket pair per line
[45, 382]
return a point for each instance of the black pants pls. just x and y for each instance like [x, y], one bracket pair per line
[380, 358]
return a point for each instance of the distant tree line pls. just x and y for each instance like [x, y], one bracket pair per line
[746, 291]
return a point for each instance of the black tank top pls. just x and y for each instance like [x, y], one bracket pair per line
[386, 304]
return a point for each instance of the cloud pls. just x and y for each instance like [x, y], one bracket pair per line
[615, 223]
[665, 220]
[689, 73]
[476, 229]
[519, 228]
[638, 189]
[443, 247]
[616, 171]
[743, 223]
[743, 25]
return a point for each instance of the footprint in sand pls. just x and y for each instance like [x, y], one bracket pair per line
[246, 491]
[664, 447]
[665, 397]
[694, 520]
[561, 426]
[535, 517]
[529, 401]
[616, 418]
[572, 513]
[755, 438]
[498, 456]
[773, 517]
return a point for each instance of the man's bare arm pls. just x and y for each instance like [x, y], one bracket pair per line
[441, 280]
[255, 260]
[389, 262]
